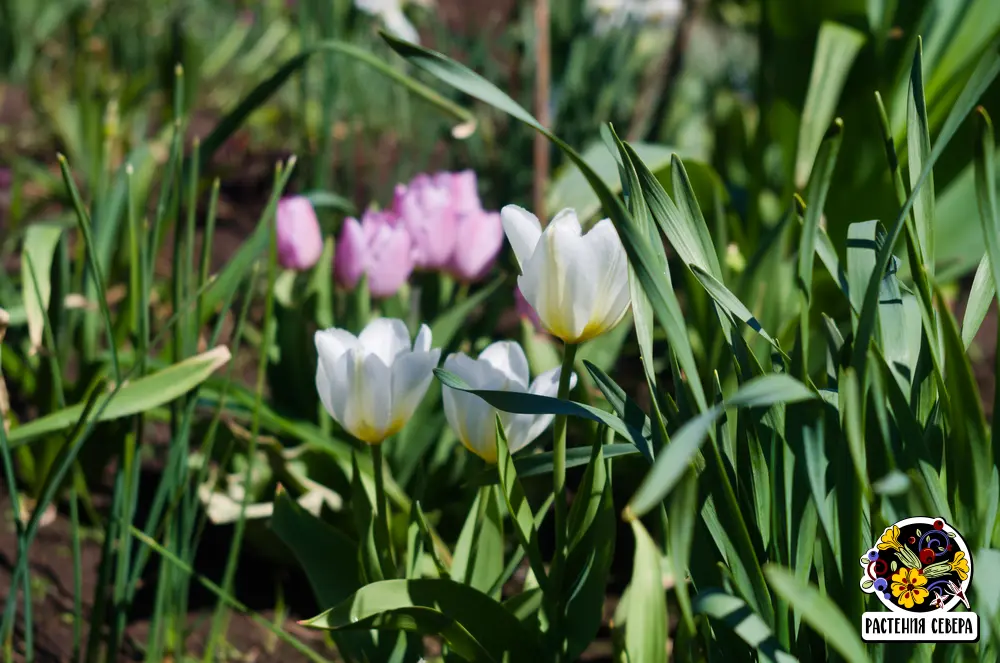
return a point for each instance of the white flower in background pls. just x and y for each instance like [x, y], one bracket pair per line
[502, 366]
[610, 14]
[576, 282]
[391, 14]
[372, 383]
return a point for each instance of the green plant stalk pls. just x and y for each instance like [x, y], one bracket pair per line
[234, 548]
[83, 223]
[206, 250]
[130, 468]
[382, 509]
[559, 487]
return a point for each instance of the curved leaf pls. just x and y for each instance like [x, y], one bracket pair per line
[743, 621]
[820, 612]
[471, 622]
[144, 394]
[525, 403]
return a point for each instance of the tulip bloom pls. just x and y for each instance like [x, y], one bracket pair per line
[372, 383]
[576, 282]
[427, 211]
[299, 240]
[501, 366]
[480, 237]
[378, 246]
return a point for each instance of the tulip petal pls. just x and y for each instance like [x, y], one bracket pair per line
[352, 250]
[332, 346]
[509, 359]
[385, 338]
[611, 265]
[481, 236]
[523, 232]
[412, 373]
[390, 260]
[423, 340]
[559, 280]
[470, 417]
[374, 400]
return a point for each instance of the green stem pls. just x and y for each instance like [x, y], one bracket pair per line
[381, 505]
[559, 485]
[559, 453]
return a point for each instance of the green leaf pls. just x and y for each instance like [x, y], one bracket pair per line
[646, 628]
[851, 422]
[918, 142]
[589, 561]
[518, 507]
[474, 626]
[40, 240]
[569, 186]
[741, 620]
[978, 305]
[540, 464]
[836, 49]
[330, 200]
[526, 403]
[674, 460]
[818, 187]
[144, 394]
[461, 561]
[681, 526]
[671, 464]
[820, 612]
[693, 223]
[622, 404]
[981, 78]
[969, 460]
[989, 215]
[731, 303]
[328, 557]
[642, 314]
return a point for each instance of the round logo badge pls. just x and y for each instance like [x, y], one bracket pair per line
[918, 565]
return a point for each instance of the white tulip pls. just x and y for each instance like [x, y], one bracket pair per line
[576, 282]
[372, 383]
[502, 367]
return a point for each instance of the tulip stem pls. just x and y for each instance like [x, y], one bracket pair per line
[381, 507]
[559, 465]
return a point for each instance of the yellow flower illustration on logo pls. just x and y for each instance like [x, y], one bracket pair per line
[960, 565]
[908, 586]
[890, 539]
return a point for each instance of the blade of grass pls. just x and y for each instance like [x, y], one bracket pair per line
[237, 540]
[83, 223]
[989, 215]
[986, 70]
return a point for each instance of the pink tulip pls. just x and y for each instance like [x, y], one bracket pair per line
[525, 310]
[378, 246]
[300, 242]
[427, 210]
[465, 192]
[480, 240]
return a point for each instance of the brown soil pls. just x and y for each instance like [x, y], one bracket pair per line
[51, 570]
